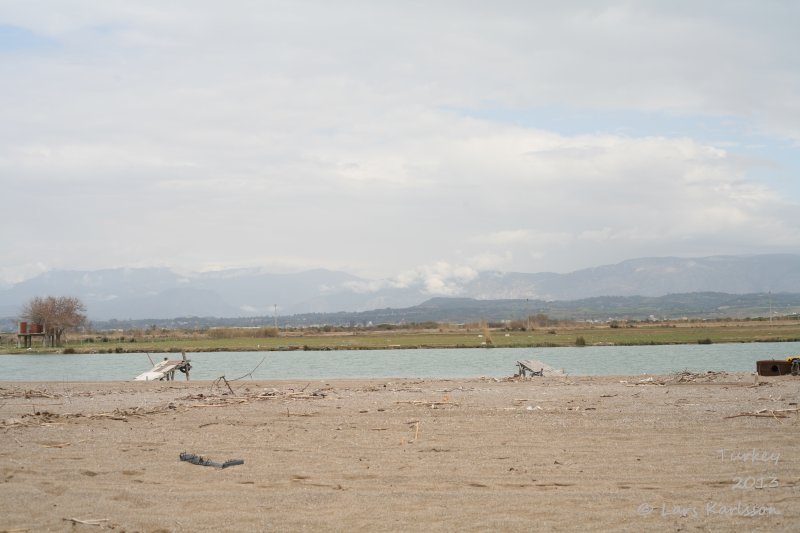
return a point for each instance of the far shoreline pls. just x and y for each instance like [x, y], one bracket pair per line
[401, 338]
[329, 348]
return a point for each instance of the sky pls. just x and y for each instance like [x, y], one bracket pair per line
[407, 140]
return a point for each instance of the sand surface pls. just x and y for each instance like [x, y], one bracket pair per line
[665, 453]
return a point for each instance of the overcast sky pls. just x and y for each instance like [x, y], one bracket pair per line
[395, 139]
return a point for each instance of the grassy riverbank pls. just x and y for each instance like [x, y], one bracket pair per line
[573, 335]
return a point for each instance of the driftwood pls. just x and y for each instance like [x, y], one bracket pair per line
[58, 445]
[769, 413]
[46, 418]
[32, 393]
[423, 402]
[202, 461]
[222, 378]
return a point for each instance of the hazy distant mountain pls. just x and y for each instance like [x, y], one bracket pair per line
[137, 293]
[140, 293]
[649, 277]
[637, 277]
[707, 305]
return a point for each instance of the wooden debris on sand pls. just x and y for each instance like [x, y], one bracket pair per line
[16, 392]
[686, 377]
[710, 376]
[444, 402]
[213, 400]
[767, 413]
[46, 418]
[204, 461]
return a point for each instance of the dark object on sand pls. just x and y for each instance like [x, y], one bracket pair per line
[773, 367]
[202, 461]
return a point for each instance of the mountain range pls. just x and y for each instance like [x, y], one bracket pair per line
[158, 293]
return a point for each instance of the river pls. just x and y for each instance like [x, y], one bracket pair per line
[428, 363]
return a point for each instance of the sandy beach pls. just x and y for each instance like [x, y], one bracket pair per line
[711, 452]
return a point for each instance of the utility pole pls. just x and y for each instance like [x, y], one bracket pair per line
[276, 320]
[528, 315]
[770, 307]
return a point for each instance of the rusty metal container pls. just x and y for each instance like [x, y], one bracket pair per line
[35, 328]
[773, 367]
[23, 328]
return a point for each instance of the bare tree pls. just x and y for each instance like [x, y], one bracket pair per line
[56, 314]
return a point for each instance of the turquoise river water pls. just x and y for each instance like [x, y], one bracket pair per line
[428, 363]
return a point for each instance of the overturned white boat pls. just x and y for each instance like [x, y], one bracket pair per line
[165, 370]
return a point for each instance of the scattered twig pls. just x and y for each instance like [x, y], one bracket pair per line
[769, 413]
[110, 416]
[89, 521]
[39, 394]
[59, 445]
[31, 393]
[251, 372]
[423, 402]
[222, 378]
[220, 404]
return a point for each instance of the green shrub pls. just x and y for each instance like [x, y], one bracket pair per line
[241, 333]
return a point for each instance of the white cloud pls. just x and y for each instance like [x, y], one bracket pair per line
[366, 137]
[491, 261]
[440, 278]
